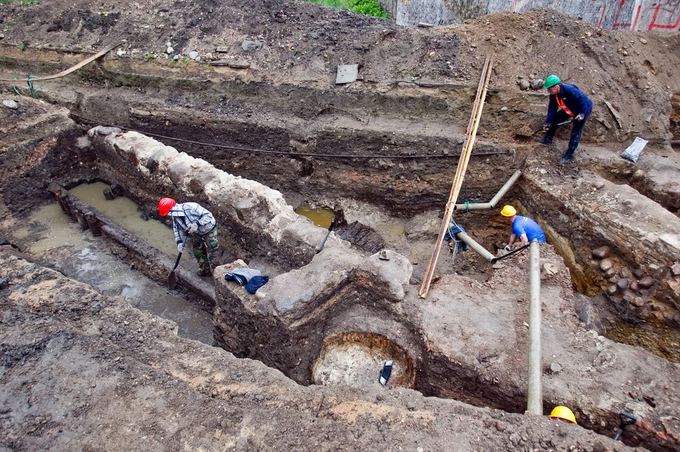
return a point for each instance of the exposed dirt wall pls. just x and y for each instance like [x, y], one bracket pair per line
[125, 381]
[302, 44]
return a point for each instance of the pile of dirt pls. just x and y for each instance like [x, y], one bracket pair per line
[283, 41]
[635, 72]
[301, 43]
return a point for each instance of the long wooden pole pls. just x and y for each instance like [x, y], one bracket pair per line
[66, 72]
[471, 134]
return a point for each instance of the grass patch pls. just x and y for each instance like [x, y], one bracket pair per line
[21, 2]
[366, 7]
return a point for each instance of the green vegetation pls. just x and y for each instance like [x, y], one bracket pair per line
[367, 7]
[23, 2]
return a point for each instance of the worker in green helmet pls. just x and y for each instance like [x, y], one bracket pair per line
[567, 103]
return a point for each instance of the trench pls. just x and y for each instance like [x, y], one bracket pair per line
[626, 174]
[51, 237]
[346, 359]
[396, 201]
[598, 306]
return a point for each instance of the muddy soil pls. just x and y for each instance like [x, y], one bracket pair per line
[302, 44]
[126, 381]
[281, 59]
[51, 237]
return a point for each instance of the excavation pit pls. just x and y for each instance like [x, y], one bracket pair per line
[315, 296]
[356, 359]
[345, 289]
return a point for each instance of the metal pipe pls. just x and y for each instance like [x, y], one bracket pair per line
[475, 246]
[535, 387]
[497, 197]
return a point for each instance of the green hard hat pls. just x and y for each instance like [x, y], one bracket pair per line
[551, 81]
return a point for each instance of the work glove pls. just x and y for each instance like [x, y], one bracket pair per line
[579, 117]
[193, 228]
[180, 247]
[507, 248]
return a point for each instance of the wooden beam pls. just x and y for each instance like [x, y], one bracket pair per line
[66, 72]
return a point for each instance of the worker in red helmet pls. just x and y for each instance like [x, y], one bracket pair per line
[190, 219]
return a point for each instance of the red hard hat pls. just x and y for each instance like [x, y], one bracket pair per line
[165, 205]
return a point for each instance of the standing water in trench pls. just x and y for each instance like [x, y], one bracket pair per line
[51, 237]
[321, 217]
[126, 213]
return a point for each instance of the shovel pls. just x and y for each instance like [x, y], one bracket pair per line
[626, 419]
[172, 277]
[559, 124]
[323, 242]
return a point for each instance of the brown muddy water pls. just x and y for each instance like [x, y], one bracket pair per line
[319, 216]
[52, 238]
[126, 213]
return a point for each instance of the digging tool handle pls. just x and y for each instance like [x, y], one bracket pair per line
[176, 262]
[559, 124]
[505, 256]
[617, 435]
[323, 242]
[172, 277]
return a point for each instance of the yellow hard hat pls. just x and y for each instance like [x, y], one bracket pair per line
[564, 413]
[508, 211]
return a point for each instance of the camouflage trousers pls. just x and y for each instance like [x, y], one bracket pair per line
[205, 247]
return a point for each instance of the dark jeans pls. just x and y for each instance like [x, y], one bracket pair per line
[576, 132]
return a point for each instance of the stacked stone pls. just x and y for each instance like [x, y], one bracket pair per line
[632, 286]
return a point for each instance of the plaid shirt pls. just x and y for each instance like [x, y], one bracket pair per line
[187, 214]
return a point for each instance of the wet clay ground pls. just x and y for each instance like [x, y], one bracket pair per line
[49, 236]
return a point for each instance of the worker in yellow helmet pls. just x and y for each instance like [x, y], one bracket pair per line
[563, 413]
[523, 228]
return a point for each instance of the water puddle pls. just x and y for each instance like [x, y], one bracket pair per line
[127, 214]
[320, 217]
[51, 237]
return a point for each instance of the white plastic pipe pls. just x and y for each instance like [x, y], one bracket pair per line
[491, 204]
[535, 389]
[475, 246]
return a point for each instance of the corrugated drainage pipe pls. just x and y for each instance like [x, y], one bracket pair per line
[535, 388]
[491, 204]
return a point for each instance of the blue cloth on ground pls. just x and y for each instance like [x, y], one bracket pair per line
[242, 275]
[251, 278]
[256, 282]
[523, 225]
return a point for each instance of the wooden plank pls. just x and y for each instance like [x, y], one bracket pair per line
[614, 113]
[66, 72]
[461, 169]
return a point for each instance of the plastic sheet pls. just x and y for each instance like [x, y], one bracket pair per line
[633, 151]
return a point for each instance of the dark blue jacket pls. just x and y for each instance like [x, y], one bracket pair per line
[573, 98]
